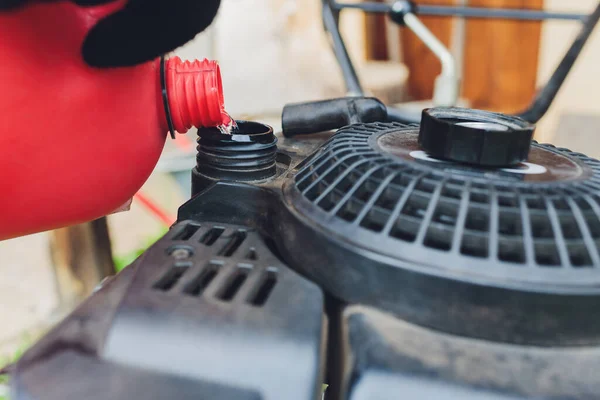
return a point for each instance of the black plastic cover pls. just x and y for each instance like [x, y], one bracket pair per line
[483, 253]
[385, 358]
[207, 313]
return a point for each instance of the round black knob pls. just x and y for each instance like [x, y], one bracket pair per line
[475, 137]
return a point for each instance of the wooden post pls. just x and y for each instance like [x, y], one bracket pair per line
[375, 35]
[82, 257]
[501, 59]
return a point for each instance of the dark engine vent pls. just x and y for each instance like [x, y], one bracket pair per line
[186, 232]
[203, 279]
[234, 266]
[212, 235]
[234, 282]
[170, 279]
[505, 254]
[263, 290]
[236, 240]
[549, 222]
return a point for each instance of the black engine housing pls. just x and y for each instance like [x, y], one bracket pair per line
[429, 279]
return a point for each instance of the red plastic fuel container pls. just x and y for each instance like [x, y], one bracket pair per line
[76, 142]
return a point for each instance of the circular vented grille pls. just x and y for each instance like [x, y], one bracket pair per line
[537, 223]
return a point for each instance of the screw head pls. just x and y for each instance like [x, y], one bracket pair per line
[181, 254]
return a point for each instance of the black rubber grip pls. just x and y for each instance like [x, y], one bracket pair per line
[326, 115]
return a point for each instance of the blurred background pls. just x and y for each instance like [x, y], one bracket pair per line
[273, 52]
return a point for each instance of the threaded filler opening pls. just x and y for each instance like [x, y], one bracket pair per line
[247, 155]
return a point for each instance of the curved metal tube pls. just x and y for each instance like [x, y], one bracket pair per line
[447, 84]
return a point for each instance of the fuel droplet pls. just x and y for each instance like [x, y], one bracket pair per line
[229, 128]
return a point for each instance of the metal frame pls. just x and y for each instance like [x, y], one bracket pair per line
[544, 98]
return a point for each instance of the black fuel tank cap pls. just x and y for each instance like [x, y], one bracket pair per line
[475, 137]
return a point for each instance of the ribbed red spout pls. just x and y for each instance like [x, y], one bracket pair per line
[195, 92]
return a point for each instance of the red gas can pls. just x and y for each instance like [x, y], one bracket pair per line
[77, 142]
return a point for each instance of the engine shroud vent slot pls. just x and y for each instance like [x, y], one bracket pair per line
[239, 265]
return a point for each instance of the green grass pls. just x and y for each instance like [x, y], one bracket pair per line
[26, 342]
[123, 260]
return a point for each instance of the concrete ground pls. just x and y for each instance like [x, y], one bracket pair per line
[27, 289]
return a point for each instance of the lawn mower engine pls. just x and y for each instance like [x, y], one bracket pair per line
[452, 260]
